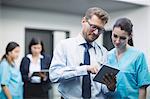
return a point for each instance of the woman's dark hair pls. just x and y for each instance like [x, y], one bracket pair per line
[35, 41]
[126, 25]
[10, 47]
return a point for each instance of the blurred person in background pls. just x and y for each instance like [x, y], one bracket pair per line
[10, 76]
[36, 86]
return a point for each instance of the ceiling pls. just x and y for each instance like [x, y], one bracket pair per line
[77, 7]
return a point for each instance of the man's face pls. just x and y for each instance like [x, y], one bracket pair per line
[92, 28]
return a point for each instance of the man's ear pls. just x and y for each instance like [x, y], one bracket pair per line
[83, 20]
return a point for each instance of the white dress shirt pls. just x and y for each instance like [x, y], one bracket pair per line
[34, 67]
[65, 68]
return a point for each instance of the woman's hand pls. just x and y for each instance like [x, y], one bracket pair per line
[43, 75]
[110, 81]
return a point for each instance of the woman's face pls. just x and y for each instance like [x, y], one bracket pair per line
[119, 38]
[14, 54]
[36, 49]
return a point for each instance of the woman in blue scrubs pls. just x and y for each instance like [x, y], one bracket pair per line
[133, 78]
[10, 76]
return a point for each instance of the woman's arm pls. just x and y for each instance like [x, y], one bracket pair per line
[142, 92]
[5, 74]
[6, 91]
[24, 69]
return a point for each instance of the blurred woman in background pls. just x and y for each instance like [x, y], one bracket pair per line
[10, 76]
[34, 69]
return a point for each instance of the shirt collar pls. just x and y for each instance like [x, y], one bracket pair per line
[80, 40]
[30, 56]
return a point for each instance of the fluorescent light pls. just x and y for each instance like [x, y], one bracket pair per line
[140, 2]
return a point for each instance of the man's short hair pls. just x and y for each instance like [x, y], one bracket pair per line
[99, 12]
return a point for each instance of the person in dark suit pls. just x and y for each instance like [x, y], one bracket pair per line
[36, 81]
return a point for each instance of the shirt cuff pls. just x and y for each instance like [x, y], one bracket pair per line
[82, 70]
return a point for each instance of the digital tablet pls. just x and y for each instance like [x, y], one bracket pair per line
[105, 69]
[36, 73]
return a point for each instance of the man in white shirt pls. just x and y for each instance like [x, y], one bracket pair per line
[69, 65]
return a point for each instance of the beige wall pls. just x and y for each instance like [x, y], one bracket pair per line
[15, 20]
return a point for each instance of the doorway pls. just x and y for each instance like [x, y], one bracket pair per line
[47, 36]
[44, 35]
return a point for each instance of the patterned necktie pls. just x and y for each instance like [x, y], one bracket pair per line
[86, 82]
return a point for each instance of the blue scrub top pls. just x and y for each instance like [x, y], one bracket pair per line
[11, 77]
[133, 73]
[0, 88]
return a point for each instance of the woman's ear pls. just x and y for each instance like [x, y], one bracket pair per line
[9, 53]
[130, 36]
